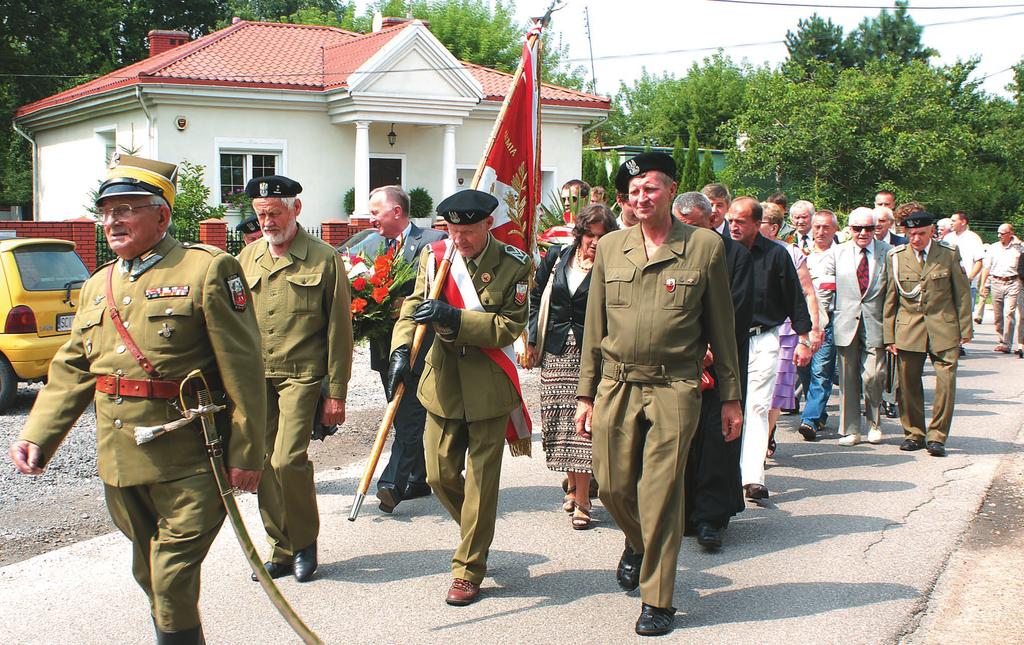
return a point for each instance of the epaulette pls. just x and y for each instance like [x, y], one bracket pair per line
[897, 248]
[946, 244]
[212, 250]
[104, 265]
[516, 253]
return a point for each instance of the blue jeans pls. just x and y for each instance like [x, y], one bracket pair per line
[819, 389]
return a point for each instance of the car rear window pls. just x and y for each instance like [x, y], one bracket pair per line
[49, 267]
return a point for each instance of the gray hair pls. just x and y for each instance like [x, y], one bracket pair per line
[396, 195]
[864, 212]
[802, 205]
[882, 213]
[690, 201]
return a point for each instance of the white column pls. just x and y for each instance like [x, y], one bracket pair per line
[362, 169]
[448, 162]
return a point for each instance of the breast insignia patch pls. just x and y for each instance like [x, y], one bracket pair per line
[239, 299]
[522, 289]
[167, 292]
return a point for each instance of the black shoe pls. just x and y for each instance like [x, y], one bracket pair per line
[808, 432]
[388, 496]
[655, 621]
[891, 411]
[1019, 353]
[936, 449]
[193, 636]
[415, 490]
[963, 352]
[709, 537]
[756, 491]
[910, 445]
[275, 569]
[305, 563]
[628, 571]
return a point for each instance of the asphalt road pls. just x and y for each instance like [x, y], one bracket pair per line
[865, 544]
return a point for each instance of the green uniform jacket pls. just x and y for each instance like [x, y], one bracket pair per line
[657, 316]
[940, 315]
[304, 310]
[181, 314]
[459, 381]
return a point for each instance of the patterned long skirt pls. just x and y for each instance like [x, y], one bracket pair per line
[559, 377]
[784, 396]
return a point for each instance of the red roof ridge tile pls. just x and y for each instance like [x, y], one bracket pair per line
[361, 38]
[582, 96]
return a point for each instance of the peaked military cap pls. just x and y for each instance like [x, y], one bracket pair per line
[641, 164]
[248, 225]
[917, 219]
[272, 186]
[467, 207]
[138, 176]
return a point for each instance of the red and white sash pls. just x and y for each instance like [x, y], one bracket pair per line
[460, 292]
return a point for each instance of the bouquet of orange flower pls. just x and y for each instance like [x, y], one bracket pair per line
[378, 287]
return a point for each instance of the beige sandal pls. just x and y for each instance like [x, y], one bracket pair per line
[569, 503]
[581, 518]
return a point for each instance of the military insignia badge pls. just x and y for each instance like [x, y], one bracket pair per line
[632, 168]
[454, 218]
[522, 289]
[167, 292]
[485, 278]
[239, 299]
[670, 285]
[264, 189]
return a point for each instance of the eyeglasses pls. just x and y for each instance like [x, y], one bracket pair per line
[122, 211]
[858, 229]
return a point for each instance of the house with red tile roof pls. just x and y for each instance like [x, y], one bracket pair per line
[331, 108]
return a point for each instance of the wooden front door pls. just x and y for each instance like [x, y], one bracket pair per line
[385, 172]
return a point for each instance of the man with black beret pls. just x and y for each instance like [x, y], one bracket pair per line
[466, 386]
[656, 303]
[250, 229]
[927, 313]
[301, 296]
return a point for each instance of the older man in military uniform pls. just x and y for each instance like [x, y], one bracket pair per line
[146, 321]
[927, 313]
[301, 295]
[469, 386]
[658, 297]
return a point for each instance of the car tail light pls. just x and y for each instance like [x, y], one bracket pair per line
[20, 320]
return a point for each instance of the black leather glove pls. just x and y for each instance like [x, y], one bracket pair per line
[398, 369]
[440, 312]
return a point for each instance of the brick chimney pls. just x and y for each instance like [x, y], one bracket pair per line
[161, 40]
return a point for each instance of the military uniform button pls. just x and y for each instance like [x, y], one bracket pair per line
[127, 300]
[118, 423]
[132, 279]
[120, 349]
[169, 311]
[119, 400]
[120, 372]
[127, 324]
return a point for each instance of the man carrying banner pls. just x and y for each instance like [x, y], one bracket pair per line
[469, 385]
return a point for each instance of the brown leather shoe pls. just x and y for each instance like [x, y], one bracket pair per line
[462, 592]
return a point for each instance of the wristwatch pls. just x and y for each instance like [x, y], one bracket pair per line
[804, 342]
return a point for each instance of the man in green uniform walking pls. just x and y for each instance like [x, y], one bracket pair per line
[469, 385]
[303, 306]
[145, 321]
[655, 303]
[927, 314]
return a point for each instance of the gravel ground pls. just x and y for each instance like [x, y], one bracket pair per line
[65, 504]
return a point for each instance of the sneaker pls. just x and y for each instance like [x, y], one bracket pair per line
[850, 440]
[875, 436]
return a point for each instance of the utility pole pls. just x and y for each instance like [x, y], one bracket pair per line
[590, 46]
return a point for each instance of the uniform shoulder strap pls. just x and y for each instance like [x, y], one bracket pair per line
[126, 338]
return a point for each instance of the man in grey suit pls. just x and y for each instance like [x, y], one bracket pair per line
[860, 272]
[405, 475]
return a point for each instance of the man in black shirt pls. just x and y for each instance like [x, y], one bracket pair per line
[777, 296]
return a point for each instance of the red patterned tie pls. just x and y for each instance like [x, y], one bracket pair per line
[862, 271]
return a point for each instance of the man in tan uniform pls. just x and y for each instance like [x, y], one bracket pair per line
[656, 301]
[927, 313]
[183, 308]
[303, 306]
[469, 397]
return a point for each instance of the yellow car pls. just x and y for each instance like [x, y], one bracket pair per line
[39, 283]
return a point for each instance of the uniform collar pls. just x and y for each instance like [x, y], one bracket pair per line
[148, 259]
[674, 245]
[297, 251]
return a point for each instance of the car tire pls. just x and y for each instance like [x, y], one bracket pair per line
[8, 384]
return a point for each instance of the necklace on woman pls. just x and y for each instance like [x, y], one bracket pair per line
[582, 263]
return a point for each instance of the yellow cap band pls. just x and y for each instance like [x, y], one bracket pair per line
[148, 176]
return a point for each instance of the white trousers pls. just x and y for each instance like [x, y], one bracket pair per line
[763, 365]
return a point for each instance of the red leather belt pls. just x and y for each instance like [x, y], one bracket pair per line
[115, 385]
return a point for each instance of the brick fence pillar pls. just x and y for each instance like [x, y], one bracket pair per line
[214, 232]
[83, 234]
[334, 231]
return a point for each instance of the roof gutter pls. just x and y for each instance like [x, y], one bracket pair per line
[149, 122]
[35, 169]
[596, 125]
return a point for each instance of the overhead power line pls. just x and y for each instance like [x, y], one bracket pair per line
[813, 5]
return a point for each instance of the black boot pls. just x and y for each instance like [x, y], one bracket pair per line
[193, 636]
[305, 563]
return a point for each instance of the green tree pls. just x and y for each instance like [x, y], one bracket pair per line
[690, 174]
[889, 37]
[679, 153]
[816, 41]
[707, 171]
[191, 202]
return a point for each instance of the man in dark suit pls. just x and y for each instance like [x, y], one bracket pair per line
[405, 475]
[713, 486]
[883, 213]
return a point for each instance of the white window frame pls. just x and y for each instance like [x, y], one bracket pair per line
[104, 136]
[248, 147]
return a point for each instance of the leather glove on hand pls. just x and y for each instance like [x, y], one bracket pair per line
[441, 313]
[398, 369]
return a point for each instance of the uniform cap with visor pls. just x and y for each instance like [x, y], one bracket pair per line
[130, 175]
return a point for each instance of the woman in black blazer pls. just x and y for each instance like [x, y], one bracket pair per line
[565, 274]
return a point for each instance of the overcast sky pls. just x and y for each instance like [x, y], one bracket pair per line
[632, 34]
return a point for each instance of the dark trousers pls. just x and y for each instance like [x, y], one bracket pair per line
[407, 464]
[714, 490]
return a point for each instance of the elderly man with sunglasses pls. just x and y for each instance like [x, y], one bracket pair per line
[860, 274]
